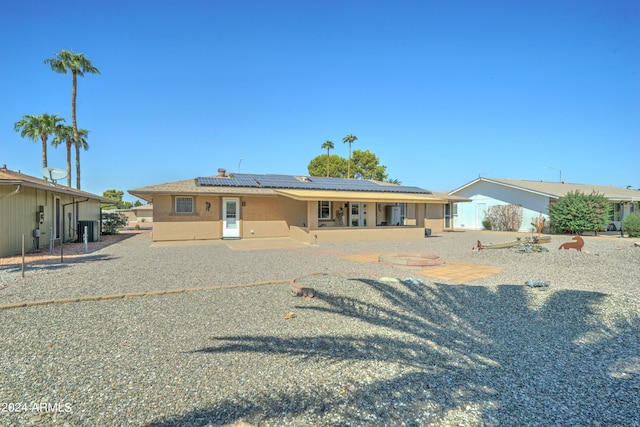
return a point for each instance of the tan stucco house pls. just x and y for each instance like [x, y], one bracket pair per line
[43, 211]
[306, 208]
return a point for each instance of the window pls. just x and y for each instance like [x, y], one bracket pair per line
[184, 204]
[324, 209]
[616, 212]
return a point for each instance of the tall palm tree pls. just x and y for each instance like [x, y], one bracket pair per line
[80, 142]
[38, 127]
[328, 145]
[78, 64]
[64, 134]
[350, 139]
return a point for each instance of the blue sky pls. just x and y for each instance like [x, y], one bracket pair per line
[442, 92]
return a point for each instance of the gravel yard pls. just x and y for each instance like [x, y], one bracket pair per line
[367, 351]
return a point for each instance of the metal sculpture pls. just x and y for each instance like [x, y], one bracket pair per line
[577, 244]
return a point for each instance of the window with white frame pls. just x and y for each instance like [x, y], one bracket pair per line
[324, 209]
[184, 204]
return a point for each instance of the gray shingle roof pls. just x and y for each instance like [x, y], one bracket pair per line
[560, 189]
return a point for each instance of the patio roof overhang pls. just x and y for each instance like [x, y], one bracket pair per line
[360, 196]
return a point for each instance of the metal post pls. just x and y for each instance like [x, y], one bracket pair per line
[23, 255]
[85, 239]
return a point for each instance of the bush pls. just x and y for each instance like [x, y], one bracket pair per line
[577, 212]
[540, 223]
[113, 222]
[486, 224]
[631, 224]
[505, 217]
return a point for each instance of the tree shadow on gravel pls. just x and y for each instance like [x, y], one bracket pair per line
[53, 265]
[508, 355]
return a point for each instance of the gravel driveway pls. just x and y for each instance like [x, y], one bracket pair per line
[367, 351]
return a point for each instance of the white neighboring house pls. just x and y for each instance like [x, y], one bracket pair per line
[535, 198]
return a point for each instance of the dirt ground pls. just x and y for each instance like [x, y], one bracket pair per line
[70, 250]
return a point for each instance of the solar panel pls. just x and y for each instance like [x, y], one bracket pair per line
[231, 181]
[301, 183]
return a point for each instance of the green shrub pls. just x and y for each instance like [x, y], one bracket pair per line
[577, 212]
[486, 223]
[631, 224]
[113, 222]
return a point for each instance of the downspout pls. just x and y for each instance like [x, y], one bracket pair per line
[62, 238]
[13, 193]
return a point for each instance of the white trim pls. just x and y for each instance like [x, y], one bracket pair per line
[230, 219]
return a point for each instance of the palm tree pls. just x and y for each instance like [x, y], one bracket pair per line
[64, 134]
[78, 64]
[328, 145]
[80, 142]
[34, 127]
[350, 139]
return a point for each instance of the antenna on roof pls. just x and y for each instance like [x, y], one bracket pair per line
[54, 174]
[555, 169]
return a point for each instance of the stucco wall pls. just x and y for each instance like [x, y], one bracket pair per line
[484, 195]
[259, 217]
[188, 230]
[271, 216]
[274, 216]
[164, 207]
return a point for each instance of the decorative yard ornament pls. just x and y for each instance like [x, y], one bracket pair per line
[577, 244]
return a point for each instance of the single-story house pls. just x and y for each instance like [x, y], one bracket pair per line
[306, 208]
[534, 197]
[43, 212]
[143, 213]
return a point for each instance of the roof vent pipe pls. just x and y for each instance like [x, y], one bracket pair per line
[222, 172]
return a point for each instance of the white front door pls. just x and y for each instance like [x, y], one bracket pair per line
[230, 218]
[357, 214]
[447, 215]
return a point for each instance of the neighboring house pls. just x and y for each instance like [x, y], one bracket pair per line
[142, 213]
[535, 198]
[309, 209]
[42, 212]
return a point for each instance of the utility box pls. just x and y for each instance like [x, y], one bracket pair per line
[93, 230]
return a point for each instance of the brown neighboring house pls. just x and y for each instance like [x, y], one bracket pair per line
[43, 212]
[306, 208]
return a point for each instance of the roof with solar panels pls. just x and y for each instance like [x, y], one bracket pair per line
[249, 180]
[275, 184]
